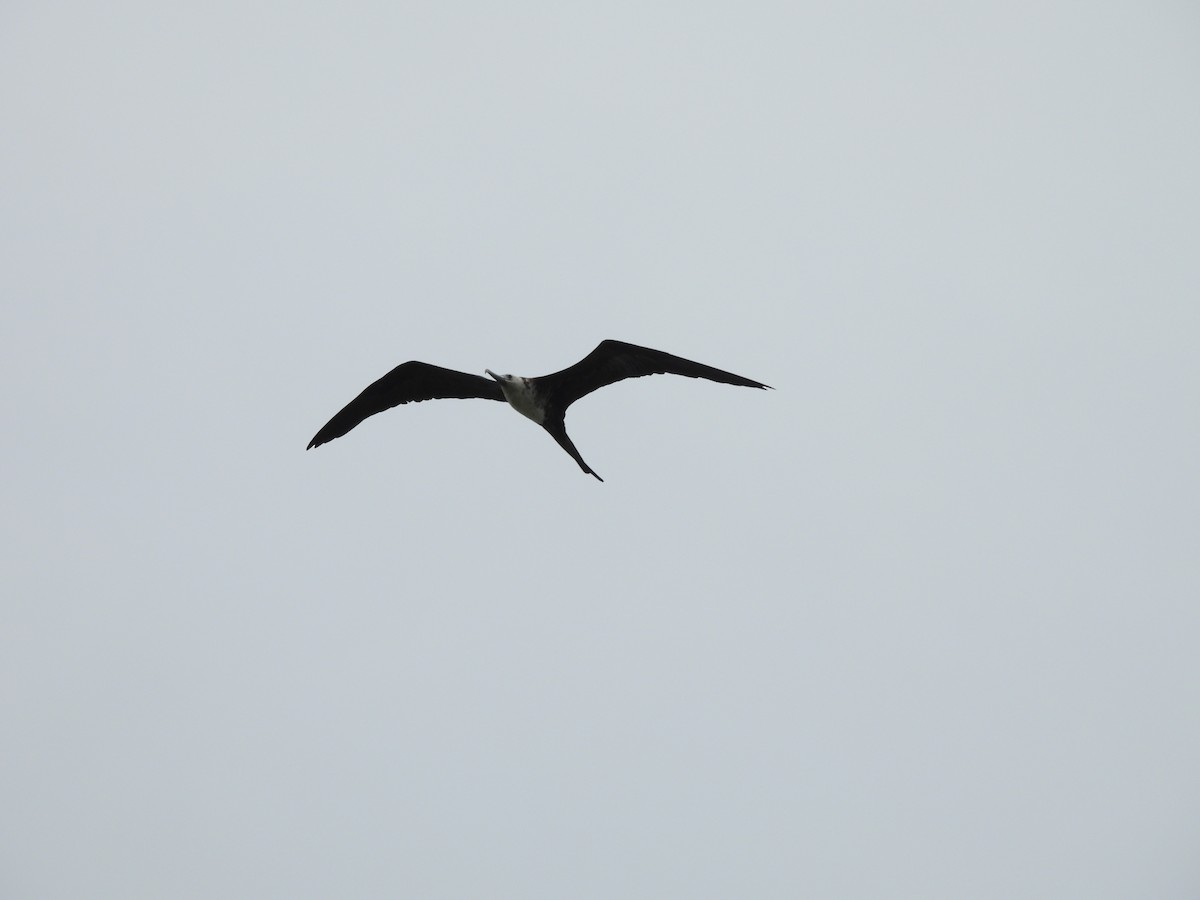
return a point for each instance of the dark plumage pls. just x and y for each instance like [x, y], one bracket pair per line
[409, 382]
[544, 400]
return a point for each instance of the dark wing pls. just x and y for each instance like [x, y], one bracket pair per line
[409, 382]
[614, 361]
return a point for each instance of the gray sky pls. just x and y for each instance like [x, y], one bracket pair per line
[922, 623]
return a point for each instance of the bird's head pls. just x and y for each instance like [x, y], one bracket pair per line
[521, 395]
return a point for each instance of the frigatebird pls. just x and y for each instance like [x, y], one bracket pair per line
[544, 400]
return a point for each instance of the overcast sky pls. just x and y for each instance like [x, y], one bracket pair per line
[924, 622]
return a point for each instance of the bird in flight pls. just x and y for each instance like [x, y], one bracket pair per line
[544, 399]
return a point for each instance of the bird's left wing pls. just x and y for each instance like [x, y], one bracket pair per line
[409, 382]
[614, 361]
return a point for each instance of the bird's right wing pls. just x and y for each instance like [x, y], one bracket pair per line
[409, 382]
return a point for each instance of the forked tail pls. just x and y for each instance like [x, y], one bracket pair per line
[558, 431]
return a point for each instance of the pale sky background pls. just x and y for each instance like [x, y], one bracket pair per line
[922, 623]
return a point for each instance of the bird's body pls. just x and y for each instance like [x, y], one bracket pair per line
[544, 399]
[522, 396]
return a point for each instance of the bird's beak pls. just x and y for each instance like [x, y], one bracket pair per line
[493, 374]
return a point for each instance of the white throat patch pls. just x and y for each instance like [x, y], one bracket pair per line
[521, 396]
